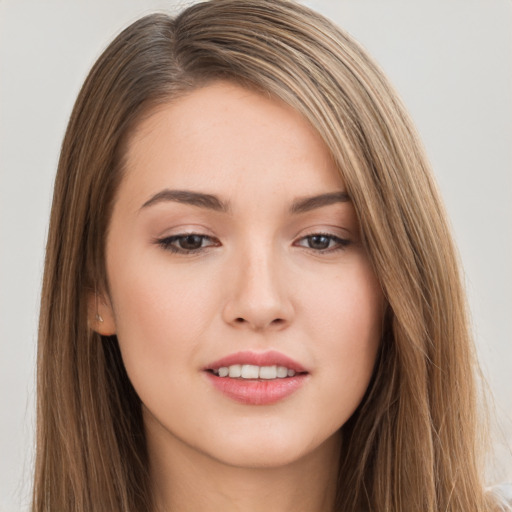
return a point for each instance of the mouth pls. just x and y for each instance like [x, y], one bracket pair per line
[257, 378]
[251, 371]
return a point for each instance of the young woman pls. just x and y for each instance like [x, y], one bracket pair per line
[251, 299]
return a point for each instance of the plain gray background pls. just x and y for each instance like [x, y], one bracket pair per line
[451, 61]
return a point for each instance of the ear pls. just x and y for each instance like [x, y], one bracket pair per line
[100, 314]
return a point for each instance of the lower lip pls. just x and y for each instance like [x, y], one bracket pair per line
[257, 392]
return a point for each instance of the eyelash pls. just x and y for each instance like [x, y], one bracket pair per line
[170, 243]
[340, 243]
[167, 243]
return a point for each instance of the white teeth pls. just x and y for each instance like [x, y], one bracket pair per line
[282, 372]
[251, 371]
[268, 372]
[235, 370]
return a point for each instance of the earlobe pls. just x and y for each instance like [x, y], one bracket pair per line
[100, 314]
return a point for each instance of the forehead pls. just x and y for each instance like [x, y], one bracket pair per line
[223, 136]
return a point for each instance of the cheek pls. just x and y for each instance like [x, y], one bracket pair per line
[346, 305]
[347, 314]
[160, 317]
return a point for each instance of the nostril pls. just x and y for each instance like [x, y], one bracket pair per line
[276, 322]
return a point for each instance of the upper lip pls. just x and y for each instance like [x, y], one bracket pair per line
[269, 358]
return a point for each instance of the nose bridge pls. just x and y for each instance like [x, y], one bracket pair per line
[258, 297]
[258, 279]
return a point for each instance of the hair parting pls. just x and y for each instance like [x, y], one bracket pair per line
[414, 443]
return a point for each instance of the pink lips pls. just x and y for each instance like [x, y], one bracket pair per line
[269, 358]
[257, 391]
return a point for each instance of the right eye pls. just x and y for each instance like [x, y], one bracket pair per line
[187, 243]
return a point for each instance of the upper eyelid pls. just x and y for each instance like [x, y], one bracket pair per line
[299, 236]
[207, 235]
[342, 240]
[168, 243]
[322, 233]
[327, 230]
[215, 242]
[184, 235]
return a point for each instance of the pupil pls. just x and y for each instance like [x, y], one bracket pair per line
[191, 242]
[319, 242]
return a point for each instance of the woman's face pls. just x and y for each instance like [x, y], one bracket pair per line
[234, 249]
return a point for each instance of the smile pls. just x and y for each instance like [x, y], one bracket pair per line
[250, 371]
[252, 378]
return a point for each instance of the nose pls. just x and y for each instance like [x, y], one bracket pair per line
[258, 294]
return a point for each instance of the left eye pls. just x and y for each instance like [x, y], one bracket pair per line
[187, 243]
[322, 242]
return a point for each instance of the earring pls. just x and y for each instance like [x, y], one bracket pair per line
[99, 318]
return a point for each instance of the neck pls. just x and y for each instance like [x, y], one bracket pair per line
[186, 480]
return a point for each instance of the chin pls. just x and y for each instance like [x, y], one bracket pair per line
[271, 449]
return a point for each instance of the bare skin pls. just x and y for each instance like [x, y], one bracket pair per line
[306, 485]
[232, 233]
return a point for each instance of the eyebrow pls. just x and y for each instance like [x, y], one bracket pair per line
[199, 199]
[212, 202]
[306, 204]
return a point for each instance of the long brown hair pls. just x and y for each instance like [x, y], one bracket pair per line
[414, 442]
